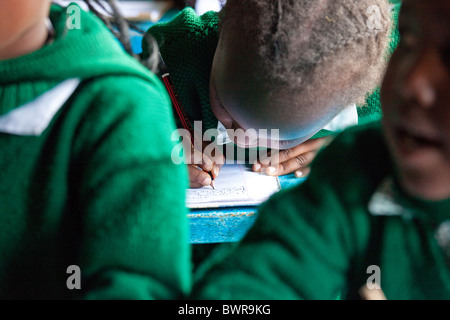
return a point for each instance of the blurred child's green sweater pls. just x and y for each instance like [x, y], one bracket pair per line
[324, 237]
[97, 188]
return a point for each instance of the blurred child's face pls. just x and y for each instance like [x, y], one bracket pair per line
[22, 26]
[415, 99]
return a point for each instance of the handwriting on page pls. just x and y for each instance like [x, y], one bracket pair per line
[235, 186]
[206, 195]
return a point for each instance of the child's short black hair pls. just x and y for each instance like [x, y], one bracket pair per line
[298, 43]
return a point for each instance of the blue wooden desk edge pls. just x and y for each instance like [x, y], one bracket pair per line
[227, 224]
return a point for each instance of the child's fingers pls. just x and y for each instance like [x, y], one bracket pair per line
[305, 147]
[303, 172]
[201, 160]
[291, 153]
[215, 155]
[220, 161]
[294, 164]
[197, 177]
[257, 167]
[216, 169]
[211, 164]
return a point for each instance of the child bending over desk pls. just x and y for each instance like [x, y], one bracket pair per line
[83, 210]
[295, 66]
[378, 218]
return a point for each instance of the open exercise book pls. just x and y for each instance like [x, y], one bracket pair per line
[236, 185]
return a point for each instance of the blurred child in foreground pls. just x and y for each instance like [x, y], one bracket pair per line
[375, 211]
[79, 184]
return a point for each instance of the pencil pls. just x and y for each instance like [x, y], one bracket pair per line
[179, 110]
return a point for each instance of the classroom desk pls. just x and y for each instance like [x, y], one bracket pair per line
[209, 226]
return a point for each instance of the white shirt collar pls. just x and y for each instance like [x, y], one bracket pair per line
[34, 117]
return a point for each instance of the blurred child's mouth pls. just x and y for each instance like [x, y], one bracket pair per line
[411, 141]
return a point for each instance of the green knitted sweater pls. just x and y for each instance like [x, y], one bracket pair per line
[318, 240]
[188, 43]
[95, 187]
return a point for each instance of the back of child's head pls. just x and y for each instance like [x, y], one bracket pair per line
[326, 54]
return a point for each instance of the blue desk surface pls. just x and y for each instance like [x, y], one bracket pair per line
[227, 224]
[209, 226]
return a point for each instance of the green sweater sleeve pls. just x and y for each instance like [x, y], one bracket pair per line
[130, 194]
[187, 44]
[281, 250]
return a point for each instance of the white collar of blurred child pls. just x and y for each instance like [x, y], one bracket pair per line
[346, 118]
[385, 203]
[32, 118]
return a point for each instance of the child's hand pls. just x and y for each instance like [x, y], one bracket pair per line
[197, 176]
[296, 159]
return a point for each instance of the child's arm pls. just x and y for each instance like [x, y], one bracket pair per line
[130, 195]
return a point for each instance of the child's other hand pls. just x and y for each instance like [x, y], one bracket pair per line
[296, 159]
[198, 178]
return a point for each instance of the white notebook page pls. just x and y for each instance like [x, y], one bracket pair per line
[236, 185]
